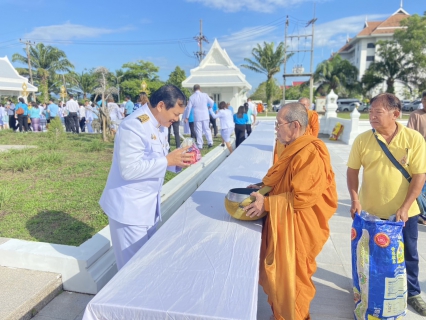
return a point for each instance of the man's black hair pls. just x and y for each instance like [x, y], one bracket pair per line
[169, 94]
[71, 96]
[196, 87]
[388, 100]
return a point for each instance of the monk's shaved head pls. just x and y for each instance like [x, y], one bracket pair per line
[294, 111]
[306, 102]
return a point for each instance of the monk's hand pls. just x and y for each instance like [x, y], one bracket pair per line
[254, 186]
[355, 208]
[179, 157]
[257, 207]
[401, 215]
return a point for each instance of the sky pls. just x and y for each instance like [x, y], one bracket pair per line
[110, 33]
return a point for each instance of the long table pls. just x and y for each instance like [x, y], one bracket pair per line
[202, 264]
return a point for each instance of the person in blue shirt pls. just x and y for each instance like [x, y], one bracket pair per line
[52, 109]
[21, 110]
[240, 120]
[34, 114]
[129, 106]
[249, 113]
[213, 120]
[230, 108]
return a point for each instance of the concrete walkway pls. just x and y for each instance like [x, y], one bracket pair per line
[333, 279]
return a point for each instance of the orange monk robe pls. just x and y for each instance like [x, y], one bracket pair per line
[313, 123]
[302, 200]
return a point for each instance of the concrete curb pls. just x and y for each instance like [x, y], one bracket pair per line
[88, 267]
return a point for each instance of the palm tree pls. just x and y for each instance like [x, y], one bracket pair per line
[267, 60]
[46, 62]
[393, 65]
[337, 74]
[85, 81]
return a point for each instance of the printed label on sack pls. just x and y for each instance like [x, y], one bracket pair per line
[394, 307]
[395, 287]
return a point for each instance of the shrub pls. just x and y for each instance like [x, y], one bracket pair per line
[5, 195]
[95, 146]
[56, 131]
[21, 163]
[51, 158]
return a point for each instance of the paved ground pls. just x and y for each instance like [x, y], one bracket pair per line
[7, 147]
[334, 299]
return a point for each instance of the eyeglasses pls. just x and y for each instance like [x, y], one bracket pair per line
[277, 125]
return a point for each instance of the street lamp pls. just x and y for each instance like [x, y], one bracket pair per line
[144, 87]
[63, 93]
[24, 91]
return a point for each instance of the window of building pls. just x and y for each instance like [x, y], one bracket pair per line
[371, 45]
[216, 98]
[370, 58]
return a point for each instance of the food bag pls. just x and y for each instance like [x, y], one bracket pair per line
[378, 268]
[193, 150]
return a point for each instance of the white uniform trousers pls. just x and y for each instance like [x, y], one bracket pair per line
[200, 128]
[127, 240]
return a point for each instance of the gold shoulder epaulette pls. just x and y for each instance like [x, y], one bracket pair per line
[143, 118]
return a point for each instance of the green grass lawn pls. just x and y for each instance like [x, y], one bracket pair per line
[364, 115]
[270, 114]
[51, 193]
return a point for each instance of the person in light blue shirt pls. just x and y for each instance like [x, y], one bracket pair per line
[250, 120]
[22, 115]
[34, 114]
[52, 109]
[240, 119]
[230, 108]
[129, 106]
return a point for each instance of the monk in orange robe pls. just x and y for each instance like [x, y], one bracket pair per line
[312, 128]
[302, 200]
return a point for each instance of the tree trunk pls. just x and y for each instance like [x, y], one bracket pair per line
[391, 85]
[268, 92]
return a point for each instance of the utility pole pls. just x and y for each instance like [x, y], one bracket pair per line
[298, 73]
[200, 38]
[27, 49]
[285, 57]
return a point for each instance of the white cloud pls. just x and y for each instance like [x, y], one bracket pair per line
[251, 5]
[68, 31]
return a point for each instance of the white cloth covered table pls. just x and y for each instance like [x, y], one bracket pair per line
[202, 264]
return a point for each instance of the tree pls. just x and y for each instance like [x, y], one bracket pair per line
[267, 60]
[392, 65]
[336, 74]
[176, 77]
[260, 92]
[412, 40]
[46, 62]
[117, 78]
[84, 81]
[105, 90]
[136, 72]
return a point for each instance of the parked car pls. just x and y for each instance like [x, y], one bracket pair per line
[411, 106]
[362, 107]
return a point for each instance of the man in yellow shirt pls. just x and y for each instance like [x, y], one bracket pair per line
[384, 190]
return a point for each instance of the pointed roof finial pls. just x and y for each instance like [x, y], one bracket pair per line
[402, 4]
[366, 22]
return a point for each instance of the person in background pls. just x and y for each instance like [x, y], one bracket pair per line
[226, 123]
[89, 116]
[190, 122]
[34, 114]
[313, 123]
[175, 125]
[21, 113]
[228, 106]
[52, 109]
[213, 120]
[199, 101]
[128, 106]
[240, 120]
[2, 114]
[249, 113]
[73, 108]
[82, 116]
[114, 114]
[252, 107]
[10, 106]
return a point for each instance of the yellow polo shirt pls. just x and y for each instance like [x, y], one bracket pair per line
[384, 188]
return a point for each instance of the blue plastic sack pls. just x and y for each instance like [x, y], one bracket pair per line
[378, 268]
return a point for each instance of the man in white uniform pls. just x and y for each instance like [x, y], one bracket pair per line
[131, 197]
[199, 101]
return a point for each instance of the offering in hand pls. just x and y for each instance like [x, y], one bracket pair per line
[193, 150]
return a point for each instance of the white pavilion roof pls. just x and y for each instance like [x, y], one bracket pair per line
[10, 80]
[216, 70]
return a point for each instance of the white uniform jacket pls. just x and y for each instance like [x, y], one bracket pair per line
[132, 194]
[199, 101]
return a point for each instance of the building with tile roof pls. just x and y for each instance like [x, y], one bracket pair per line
[360, 50]
[219, 78]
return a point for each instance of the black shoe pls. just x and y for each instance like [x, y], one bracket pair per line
[210, 146]
[222, 145]
[418, 304]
